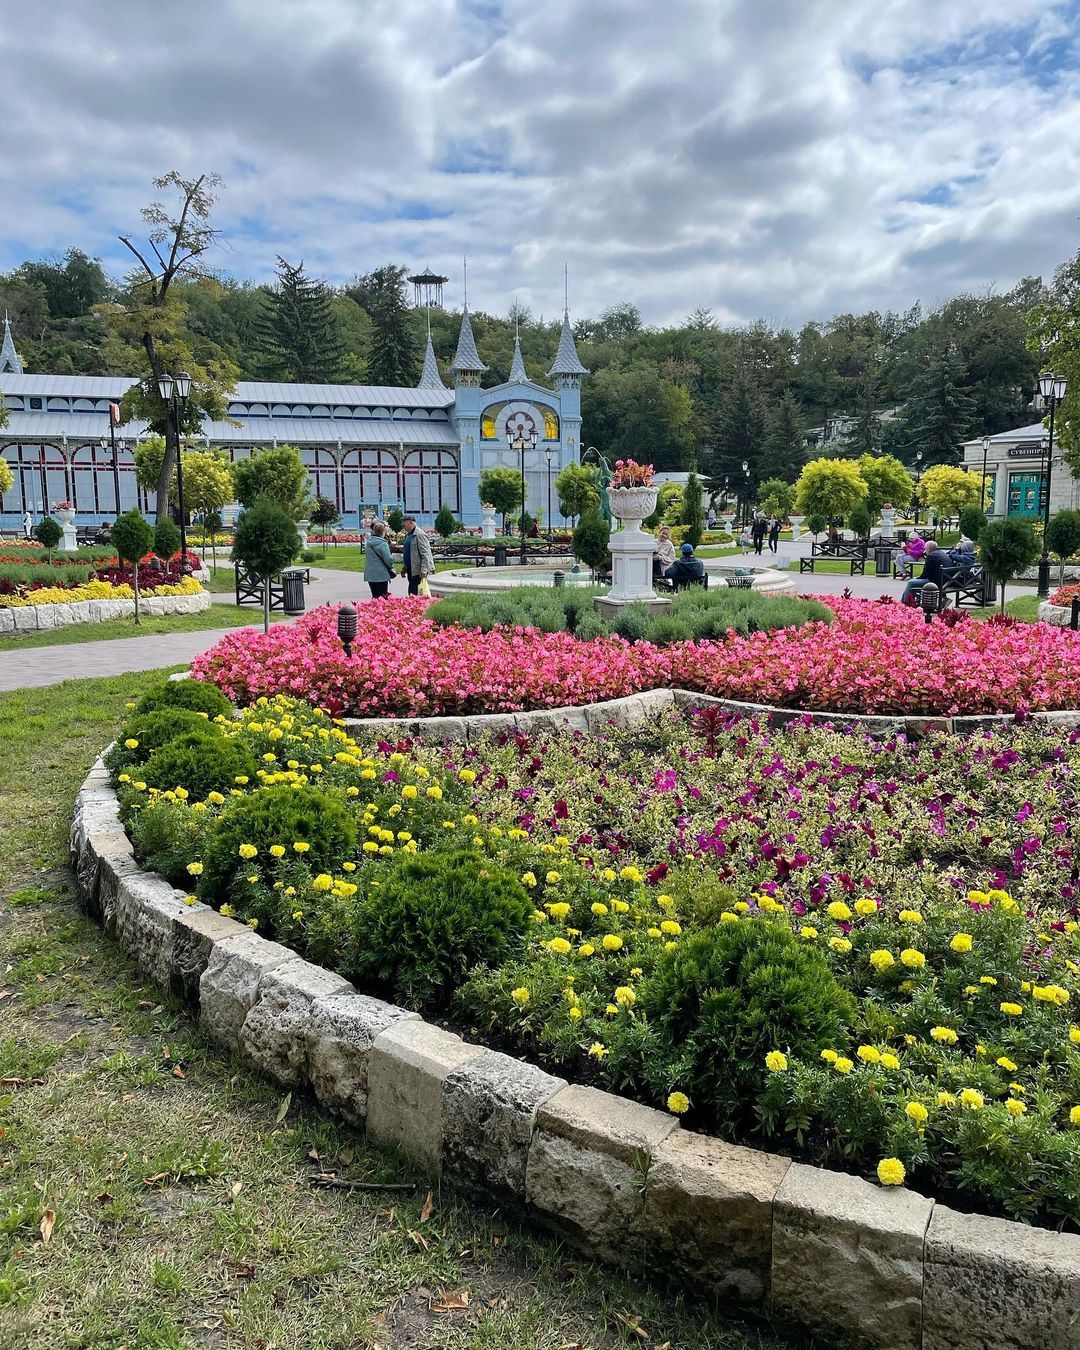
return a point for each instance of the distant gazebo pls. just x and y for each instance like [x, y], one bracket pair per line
[428, 288]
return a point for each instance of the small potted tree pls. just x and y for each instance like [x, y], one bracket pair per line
[264, 543]
[132, 537]
[1006, 547]
[48, 534]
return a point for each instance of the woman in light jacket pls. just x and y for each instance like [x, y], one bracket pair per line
[378, 562]
[663, 553]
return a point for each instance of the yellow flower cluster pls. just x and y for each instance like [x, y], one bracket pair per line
[94, 590]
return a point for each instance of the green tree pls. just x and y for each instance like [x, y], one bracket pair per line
[7, 478]
[501, 488]
[577, 490]
[1054, 339]
[829, 487]
[940, 411]
[860, 520]
[1063, 537]
[864, 436]
[299, 329]
[777, 497]
[326, 514]
[624, 410]
[48, 534]
[152, 318]
[393, 353]
[972, 523]
[690, 516]
[740, 435]
[72, 285]
[947, 489]
[1006, 547]
[133, 538]
[592, 537]
[166, 539]
[445, 523]
[279, 475]
[265, 541]
[395, 519]
[208, 487]
[886, 480]
[785, 443]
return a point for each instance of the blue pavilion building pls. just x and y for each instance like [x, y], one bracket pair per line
[366, 447]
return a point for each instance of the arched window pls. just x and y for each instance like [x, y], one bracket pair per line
[487, 428]
[369, 477]
[92, 481]
[431, 481]
[551, 424]
[322, 469]
[27, 487]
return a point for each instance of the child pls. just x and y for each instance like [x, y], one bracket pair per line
[746, 539]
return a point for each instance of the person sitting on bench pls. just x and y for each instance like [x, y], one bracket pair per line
[685, 569]
[935, 560]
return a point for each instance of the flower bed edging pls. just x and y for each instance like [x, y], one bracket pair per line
[1058, 615]
[620, 1179]
[37, 618]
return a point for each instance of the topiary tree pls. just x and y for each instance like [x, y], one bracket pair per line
[445, 523]
[669, 504]
[972, 522]
[502, 488]
[1006, 547]
[690, 516]
[829, 487]
[816, 523]
[947, 489]
[860, 520]
[577, 490]
[592, 536]
[1063, 537]
[395, 519]
[166, 539]
[133, 538]
[48, 533]
[208, 488]
[265, 542]
[279, 475]
[777, 498]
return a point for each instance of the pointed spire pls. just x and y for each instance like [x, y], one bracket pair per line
[429, 376]
[567, 361]
[518, 373]
[10, 362]
[467, 358]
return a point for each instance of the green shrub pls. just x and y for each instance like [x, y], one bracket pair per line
[668, 628]
[592, 535]
[166, 837]
[728, 995]
[200, 761]
[166, 539]
[434, 918]
[972, 522]
[152, 731]
[275, 815]
[590, 625]
[48, 532]
[632, 622]
[193, 695]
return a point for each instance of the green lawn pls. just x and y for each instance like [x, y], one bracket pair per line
[178, 1184]
[217, 616]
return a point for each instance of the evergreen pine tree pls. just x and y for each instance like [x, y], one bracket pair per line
[393, 357]
[864, 438]
[940, 412]
[785, 445]
[740, 435]
[298, 329]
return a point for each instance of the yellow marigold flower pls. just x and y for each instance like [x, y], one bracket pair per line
[944, 1035]
[946, 1099]
[868, 1054]
[978, 898]
[467, 776]
[889, 1061]
[586, 949]
[620, 907]
[129, 706]
[558, 909]
[890, 1172]
[866, 906]
[881, 960]
[972, 1099]
[520, 995]
[323, 882]
[553, 878]
[1005, 1063]
[215, 798]
[913, 958]
[678, 1103]
[655, 932]
[741, 907]
[528, 879]
[670, 927]
[227, 910]
[917, 1112]
[1002, 898]
[829, 1056]
[961, 942]
[1015, 1108]
[194, 869]
[301, 846]
[1051, 993]
[625, 996]
[131, 743]
[910, 916]
[242, 779]
[191, 900]
[987, 980]
[434, 792]
[808, 933]
[598, 908]
[841, 945]
[776, 1061]
[726, 917]
[611, 942]
[1011, 1009]
[597, 1050]
[370, 846]
[247, 851]
[409, 792]
[574, 1013]
[1074, 1035]
[631, 874]
[559, 946]
[842, 1064]
[1074, 1115]
[838, 911]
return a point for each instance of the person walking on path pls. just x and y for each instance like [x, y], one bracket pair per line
[774, 535]
[378, 562]
[418, 563]
[759, 530]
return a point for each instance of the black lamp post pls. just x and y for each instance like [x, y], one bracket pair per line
[982, 490]
[521, 443]
[746, 474]
[918, 479]
[174, 394]
[1052, 387]
[549, 454]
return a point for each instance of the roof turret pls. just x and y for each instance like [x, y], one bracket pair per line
[10, 361]
[429, 376]
[567, 361]
[518, 373]
[467, 359]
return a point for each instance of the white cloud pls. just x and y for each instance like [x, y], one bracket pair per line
[786, 159]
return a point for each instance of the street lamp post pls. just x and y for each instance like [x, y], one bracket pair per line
[520, 444]
[746, 473]
[918, 480]
[174, 394]
[1052, 387]
[982, 491]
[549, 454]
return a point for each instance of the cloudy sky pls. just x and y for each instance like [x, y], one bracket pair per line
[775, 158]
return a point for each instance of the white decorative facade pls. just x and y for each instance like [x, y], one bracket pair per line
[366, 447]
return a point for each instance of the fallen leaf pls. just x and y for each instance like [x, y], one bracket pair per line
[235, 1189]
[451, 1303]
[313, 1154]
[346, 1155]
[242, 1270]
[178, 1072]
[429, 1208]
[48, 1222]
[143, 1003]
[153, 1181]
[418, 1239]
[104, 1198]
[283, 1109]
[633, 1324]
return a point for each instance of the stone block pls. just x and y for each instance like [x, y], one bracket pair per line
[990, 1284]
[641, 707]
[24, 618]
[490, 724]
[708, 1209]
[7, 620]
[197, 929]
[229, 985]
[434, 729]
[274, 1033]
[848, 1258]
[339, 1034]
[90, 862]
[587, 1169]
[489, 1106]
[145, 909]
[113, 868]
[408, 1065]
[46, 616]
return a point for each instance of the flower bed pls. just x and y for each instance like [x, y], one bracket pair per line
[96, 590]
[874, 658]
[1065, 595]
[76, 577]
[862, 951]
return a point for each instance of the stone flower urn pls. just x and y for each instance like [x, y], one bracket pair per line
[888, 522]
[631, 552]
[728, 517]
[796, 526]
[302, 527]
[65, 517]
[487, 521]
[631, 505]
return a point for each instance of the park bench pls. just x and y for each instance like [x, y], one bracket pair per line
[249, 587]
[671, 584]
[851, 551]
[967, 587]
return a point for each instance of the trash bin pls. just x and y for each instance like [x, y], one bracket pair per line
[883, 562]
[500, 555]
[292, 592]
[558, 578]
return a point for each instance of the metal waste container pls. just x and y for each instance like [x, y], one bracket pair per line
[292, 592]
[882, 562]
[500, 555]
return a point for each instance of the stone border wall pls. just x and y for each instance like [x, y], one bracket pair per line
[39, 618]
[826, 1252]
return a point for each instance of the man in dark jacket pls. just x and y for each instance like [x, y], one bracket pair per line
[934, 561]
[685, 568]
